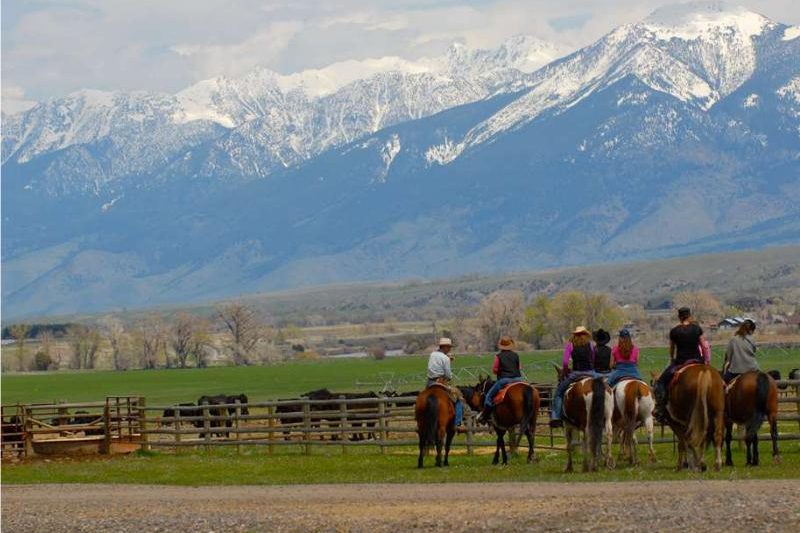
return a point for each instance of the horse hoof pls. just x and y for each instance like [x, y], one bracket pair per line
[703, 467]
[776, 460]
[728, 463]
[568, 470]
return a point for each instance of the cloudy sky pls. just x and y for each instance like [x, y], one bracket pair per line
[53, 47]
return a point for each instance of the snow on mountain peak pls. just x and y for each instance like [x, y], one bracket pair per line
[694, 20]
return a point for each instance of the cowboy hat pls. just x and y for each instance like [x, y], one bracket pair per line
[505, 343]
[444, 341]
[580, 330]
[601, 336]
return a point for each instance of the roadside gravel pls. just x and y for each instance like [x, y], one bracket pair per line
[692, 505]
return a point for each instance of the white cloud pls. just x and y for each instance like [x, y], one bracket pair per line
[14, 100]
[54, 47]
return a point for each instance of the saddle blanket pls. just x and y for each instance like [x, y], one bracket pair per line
[500, 396]
[680, 370]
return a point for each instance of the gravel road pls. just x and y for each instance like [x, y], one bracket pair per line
[659, 506]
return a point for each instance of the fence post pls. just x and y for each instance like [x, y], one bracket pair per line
[343, 423]
[470, 429]
[27, 425]
[206, 428]
[307, 426]
[143, 424]
[176, 425]
[106, 429]
[236, 425]
[271, 424]
[382, 422]
[797, 404]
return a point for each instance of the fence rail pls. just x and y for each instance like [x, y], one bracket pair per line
[384, 422]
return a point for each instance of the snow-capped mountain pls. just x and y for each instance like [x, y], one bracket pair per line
[250, 126]
[674, 135]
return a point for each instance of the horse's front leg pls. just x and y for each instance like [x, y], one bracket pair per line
[568, 437]
[609, 435]
[728, 438]
[450, 434]
[501, 438]
[773, 433]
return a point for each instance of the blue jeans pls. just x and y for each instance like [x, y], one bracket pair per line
[623, 370]
[488, 401]
[558, 398]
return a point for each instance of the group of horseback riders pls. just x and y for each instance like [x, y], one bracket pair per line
[587, 354]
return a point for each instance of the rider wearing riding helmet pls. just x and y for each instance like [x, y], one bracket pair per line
[507, 368]
[740, 355]
[625, 359]
[686, 345]
[581, 352]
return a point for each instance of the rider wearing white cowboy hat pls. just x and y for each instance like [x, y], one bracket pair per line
[439, 371]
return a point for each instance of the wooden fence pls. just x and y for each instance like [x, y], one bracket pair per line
[383, 422]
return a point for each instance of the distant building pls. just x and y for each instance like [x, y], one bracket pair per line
[730, 322]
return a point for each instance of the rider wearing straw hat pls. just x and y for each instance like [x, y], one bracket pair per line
[439, 371]
[507, 368]
[580, 352]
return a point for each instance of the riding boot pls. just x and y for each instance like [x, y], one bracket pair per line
[483, 418]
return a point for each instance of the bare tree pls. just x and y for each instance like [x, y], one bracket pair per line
[118, 339]
[244, 328]
[703, 304]
[500, 313]
[188, 339]
[568, 310]
[603, 312]
[20, 332]
[85, 344]
[536, 325]
[151, 340]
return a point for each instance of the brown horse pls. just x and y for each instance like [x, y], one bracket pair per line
[633, 407]
[436, 417]
[588, 408]
[749, 399]
[519, 407]
[696, 411]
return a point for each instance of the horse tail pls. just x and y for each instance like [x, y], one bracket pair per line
[697, 429]
[762, 407]
[527, 409]
[597, 413]
[631, 405]
[431, 419]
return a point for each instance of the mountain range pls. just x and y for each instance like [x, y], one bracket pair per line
[679, 134]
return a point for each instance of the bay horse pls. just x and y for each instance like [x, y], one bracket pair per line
[696, 410]
[633, 407]
[436, 422]
[749, 399]
[519, 407]
[588, 408]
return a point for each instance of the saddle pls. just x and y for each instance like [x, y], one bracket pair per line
[501, 395]
[680, 370]
[442, 385]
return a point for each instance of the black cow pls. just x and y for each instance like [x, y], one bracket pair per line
[794, 373]
[222, 399]
[185, 410]
[84, 418]
[288, 408]
[12, 432]
[776, 375]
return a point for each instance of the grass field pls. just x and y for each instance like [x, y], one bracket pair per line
[162, 387]
[254, 466]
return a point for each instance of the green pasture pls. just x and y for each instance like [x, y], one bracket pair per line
[253, 466]
[166, 386]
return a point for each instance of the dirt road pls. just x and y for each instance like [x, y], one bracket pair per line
[658, 506]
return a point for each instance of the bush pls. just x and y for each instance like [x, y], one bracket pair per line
[377, 352]
[41, 361]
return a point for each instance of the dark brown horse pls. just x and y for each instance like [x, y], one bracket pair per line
[749, 399]
[519, 407]
[589, 408]
[436, 422]
[696, 411]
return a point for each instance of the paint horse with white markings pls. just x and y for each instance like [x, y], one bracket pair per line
[588, 408]
[633, 408]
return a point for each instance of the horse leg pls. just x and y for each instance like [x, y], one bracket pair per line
[755, 448]
[633, 459]
[421, 450]
[748, 445]
[568, 437]
[773, 433]
[447, 443]
[439, 440]
[650, 429]
[501, 436]
[728, 438]
[529, 434]
[498, 441]
[681, 454]
[587, 449]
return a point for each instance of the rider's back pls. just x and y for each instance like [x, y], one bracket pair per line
[686, 338]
